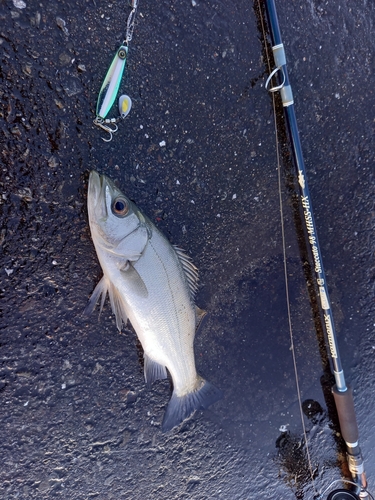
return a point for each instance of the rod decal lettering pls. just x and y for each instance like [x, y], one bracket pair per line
[311, 232]
[331, 342]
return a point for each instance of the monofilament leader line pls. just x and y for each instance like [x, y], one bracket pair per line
[342, 393]
[111, 83]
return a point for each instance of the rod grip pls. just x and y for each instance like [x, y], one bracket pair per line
[346, 413]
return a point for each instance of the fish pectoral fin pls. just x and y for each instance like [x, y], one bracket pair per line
[101, 289]
[153, 371]
[118, 306]
[134, 280]
[180, 408]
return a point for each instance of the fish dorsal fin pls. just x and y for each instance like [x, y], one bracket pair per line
[191, 271]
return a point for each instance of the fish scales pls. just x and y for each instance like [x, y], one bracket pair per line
[165, 335]
[152, 284]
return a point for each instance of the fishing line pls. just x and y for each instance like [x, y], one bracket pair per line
[285, 262]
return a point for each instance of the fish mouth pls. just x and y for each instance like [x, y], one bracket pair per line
[100, 194]
[101, 191]
[96, 196]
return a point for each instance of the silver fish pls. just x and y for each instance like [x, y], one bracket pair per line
[152, 284]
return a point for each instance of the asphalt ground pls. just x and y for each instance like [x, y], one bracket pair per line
[197, 154]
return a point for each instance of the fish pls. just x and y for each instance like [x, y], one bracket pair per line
[152, 284]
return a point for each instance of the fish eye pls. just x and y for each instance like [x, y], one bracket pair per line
[120, 207]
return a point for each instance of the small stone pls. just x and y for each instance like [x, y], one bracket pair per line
[98, 368]
[72, 86]
[27, 69]
[128, 395]
[62, 25]
[16, 131]
[37, 19]
[26, 194]
[64, 58]
[59, 104]
[19, 4]
[52, 162]
[67, 364]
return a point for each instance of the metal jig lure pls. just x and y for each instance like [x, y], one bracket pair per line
[111, 84]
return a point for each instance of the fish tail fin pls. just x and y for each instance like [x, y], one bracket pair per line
[180, 408]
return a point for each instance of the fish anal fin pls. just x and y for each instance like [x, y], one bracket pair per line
[190, 270]
[180, 408]
[153, 371]
[101, 289]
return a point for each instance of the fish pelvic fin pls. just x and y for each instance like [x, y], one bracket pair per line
[118, 306]
[180, 408]
[153, 371]
[100, 290]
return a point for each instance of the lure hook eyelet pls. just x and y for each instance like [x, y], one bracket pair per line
[99, 123]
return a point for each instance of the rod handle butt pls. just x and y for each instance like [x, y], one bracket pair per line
[346, 413]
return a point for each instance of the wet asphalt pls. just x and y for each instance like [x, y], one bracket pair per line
[197, 154]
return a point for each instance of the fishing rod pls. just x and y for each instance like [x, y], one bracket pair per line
[342, 393]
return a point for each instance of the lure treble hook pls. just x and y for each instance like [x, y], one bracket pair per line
[107, 128]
